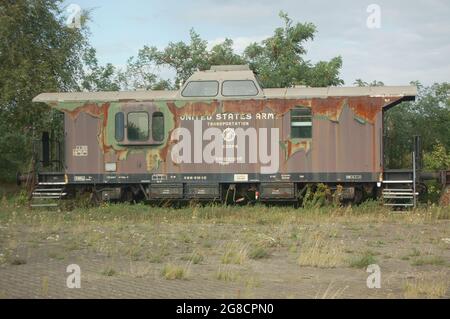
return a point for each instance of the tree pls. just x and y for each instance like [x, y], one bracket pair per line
[223, 54]
[96, 77]
[361, 83]
[428, 117]
[279, 61]
[140, 72]
[38, 53]
[438, 158]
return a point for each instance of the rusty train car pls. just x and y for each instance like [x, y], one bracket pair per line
[222, 137]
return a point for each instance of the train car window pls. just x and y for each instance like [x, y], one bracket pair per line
[137, 128]
[239, 88]
[201, 89]
[158, 126]
[301, 122]
[119, 126]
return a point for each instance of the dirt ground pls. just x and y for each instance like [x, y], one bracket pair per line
[143, 251]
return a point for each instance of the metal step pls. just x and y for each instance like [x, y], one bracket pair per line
[38, 194]
[45, 195]
[398, 182]
[400, 196]
[398, 191]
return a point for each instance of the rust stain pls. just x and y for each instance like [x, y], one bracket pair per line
[294, 147]
[243, 106]
[191, 109]
[281, 107]
[330, 107]
[121, 154]
[105, 109]
[97, 111]
[152, 158]
[92, 109]
[366, 108]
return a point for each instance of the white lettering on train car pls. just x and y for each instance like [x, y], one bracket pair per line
[251, 145]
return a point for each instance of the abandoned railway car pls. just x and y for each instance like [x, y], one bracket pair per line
[222, 137]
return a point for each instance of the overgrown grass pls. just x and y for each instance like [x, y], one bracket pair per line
[363, 260]
[258, 252]
[109, 272]
[423, 287]
[319, 252]
[150, 239]
[429, 260]
[235, 254]
[172, 272]
[226, 274]
[195, 258]
[13, 209]
[17, 261]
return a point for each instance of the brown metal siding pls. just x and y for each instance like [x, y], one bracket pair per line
[340, 143]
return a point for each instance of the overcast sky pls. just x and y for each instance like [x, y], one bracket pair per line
[412, 43]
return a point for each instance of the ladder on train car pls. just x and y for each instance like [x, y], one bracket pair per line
[399, 187]
[47, 195]
[400, 194]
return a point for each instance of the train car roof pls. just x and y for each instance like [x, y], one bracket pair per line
[308, 92]
[391, 91]
[227, 73]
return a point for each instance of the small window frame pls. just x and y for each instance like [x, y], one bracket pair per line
[200, 96]
[298, 121]
[154, 115]
[119, 130]
[228, 95]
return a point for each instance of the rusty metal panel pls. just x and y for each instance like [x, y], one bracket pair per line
[166, 191]
[200, 191]
[277, 191]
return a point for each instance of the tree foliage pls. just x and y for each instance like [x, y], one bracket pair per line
[38, 53]
[96, 77]
[428, 117]
[362, 83]
[278, 60]
[140, 72]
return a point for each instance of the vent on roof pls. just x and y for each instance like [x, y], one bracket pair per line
[218, 68]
